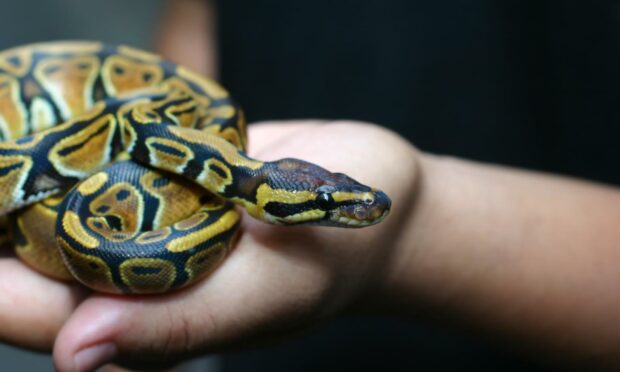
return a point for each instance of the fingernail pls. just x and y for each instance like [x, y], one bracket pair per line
[93, 357]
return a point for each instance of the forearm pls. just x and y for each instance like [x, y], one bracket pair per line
[522, 254]
[188, 35]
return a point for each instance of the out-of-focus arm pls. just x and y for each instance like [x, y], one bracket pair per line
[187, 35]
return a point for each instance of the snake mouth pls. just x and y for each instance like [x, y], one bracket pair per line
[352, 222]
[363, 214]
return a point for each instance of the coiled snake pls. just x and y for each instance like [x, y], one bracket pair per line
[132, 165]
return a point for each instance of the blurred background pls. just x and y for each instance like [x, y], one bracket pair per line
[531, 83]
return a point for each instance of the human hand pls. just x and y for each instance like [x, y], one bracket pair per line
[276, 281]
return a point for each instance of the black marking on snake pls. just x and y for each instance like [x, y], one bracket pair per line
[98, 90]
[153, 236]
[69, 149]
[14, 60]
[204, 258]
[278, 209]
[51, 69]
[24, 140]
[126, 132]
[114, 222]
[192, 169]
[185, 111]
[18, 237]
[168, 149]
[217, 169]
[160, 182]
[6, 170]
[103, 209]
[206, 198]
[141, 270]
[122, 195]
[113, 254]
[151, 206]
[248, 188]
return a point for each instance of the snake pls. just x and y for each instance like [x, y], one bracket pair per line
[125, 171]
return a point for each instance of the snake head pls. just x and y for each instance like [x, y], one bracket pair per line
[351, 204]
[304, 193]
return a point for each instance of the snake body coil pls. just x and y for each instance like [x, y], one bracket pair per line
[132, 165]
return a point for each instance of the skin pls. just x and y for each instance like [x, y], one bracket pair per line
[194, 22]
[466, 242]
[281, 278]
[520, 256]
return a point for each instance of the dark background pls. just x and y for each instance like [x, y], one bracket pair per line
[530, 83]
[526, 83]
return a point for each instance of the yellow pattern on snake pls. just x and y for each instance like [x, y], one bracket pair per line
[132, 165]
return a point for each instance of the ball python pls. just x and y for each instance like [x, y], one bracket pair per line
[122, 170]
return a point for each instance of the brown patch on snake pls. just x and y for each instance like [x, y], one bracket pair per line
[117, 212]
[166, 188]
[121, 74]
[69, 81]
[85, 151]
[12, 110]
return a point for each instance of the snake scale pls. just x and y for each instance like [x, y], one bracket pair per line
[121, 170]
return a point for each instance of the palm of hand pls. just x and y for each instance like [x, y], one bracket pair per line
[276, 280]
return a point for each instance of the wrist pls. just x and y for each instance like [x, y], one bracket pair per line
[397, 291]
[419, 275]
[385, 286]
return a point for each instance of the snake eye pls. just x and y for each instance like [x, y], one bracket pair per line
[324, 200]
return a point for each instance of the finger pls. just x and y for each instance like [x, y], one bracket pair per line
[267, 135]
[278, 279]
[33, 307]
[258, 291]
